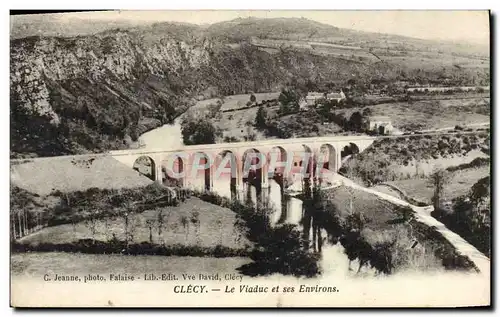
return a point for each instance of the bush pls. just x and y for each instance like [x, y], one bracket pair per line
[372, 165]
[281, 251]
[198, 130]
[477, 162]
[115, 246]
[471, 216]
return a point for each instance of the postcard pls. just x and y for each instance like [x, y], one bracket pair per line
[250, 159]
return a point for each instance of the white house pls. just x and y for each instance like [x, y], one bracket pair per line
[312, 97]
[336, 96]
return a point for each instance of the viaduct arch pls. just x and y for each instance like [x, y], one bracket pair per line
[239, 165]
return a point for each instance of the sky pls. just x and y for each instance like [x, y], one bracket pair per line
[470, 26]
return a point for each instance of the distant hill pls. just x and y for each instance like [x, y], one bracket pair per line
[101, 89]
[22, 26]
[281, 28]
[302, 29]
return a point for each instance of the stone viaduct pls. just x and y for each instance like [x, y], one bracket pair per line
[236, 165]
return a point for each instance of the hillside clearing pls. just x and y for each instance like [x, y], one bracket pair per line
[431, 114]
[193, 222]
[67, 174]
[459, 184]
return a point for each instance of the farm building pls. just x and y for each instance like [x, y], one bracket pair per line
[312, 97]
[379, 124]
[336, 96]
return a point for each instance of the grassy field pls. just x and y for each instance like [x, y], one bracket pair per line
[433, 61]
[431, 114]
[429, 165]
[239, 101]
[378, 212]
[235, 101]
[234, 124]
[37, 264]
[193, 222]
[459, 184]
[237, 124]
[303, 124]
[68, 174]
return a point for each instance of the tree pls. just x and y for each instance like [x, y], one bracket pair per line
[480, 194]
[356, 121]
[91, 221]
[288, 96]
[124, 209]
[166, 112]
[214, 109]
[260, 118]
[438, 179]
[161, 221]
[250, 135]
[150, 223]
[198, 131]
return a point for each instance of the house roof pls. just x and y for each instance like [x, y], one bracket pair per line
[316, 94]
[312, 97]
[334, 95]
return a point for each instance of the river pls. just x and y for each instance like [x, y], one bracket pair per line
[170, 135]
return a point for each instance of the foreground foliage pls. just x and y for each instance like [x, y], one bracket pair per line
[276, 249]
[470, 216]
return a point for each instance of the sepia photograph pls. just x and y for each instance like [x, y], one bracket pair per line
[273, 158]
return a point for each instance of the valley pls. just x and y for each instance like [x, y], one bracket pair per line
[118, 136]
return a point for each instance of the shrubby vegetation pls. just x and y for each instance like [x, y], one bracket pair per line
[403, 243]
[276, 249]
[470, 216]
[115, 246]
[199, 130]
[374, 165]
[29, 213]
